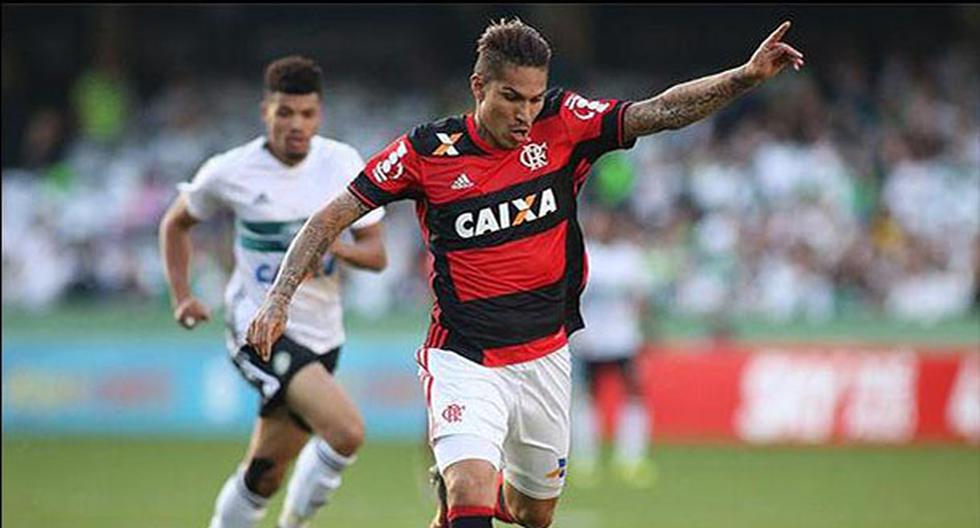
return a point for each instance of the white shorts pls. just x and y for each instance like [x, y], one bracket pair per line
[521, 409]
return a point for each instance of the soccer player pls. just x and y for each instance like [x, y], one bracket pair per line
[272, 184]
[495, 197]
[613, 305]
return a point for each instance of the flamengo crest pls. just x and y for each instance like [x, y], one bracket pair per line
[534, 155]
[453, 412]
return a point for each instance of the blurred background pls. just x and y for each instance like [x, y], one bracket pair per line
[811, 257]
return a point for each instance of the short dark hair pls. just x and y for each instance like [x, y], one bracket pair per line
[294, 75]
[510, 42]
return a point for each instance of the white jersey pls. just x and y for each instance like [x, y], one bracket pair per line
[617, 283]
[271, 202]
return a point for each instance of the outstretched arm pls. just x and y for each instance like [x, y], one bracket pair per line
[304, 255]
[692, 101]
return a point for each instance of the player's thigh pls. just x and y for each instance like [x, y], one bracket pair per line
[465, 399]
[537, 444]
[317, 397]
[276, 437]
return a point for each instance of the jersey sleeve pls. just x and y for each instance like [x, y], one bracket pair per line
[595, 123]
[355, 165]
[203, 191]
[391, 174]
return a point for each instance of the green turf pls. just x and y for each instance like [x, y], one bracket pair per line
[122, 319]
[110, 483]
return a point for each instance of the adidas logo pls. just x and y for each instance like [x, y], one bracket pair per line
[462, 182]
[261, 199]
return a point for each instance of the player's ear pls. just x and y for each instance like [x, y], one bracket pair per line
[478, 87]
[264, 107]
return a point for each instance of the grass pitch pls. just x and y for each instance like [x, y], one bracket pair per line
[121, 482]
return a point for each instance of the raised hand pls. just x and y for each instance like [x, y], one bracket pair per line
[772, 56]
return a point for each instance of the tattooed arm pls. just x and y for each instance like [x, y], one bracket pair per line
[692, 101]
[303, 257]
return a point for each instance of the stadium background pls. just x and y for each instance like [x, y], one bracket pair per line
[835, 211]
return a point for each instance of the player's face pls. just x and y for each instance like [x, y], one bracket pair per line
[507, 104]
[291, 121]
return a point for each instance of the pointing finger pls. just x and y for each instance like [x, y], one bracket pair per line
[778, 34]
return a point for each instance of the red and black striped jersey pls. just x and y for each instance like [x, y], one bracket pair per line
[507, 260]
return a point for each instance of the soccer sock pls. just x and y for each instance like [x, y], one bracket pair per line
[315, 477]
[584, 431]
[633, 434]
[500, 511]
[237, 506]
[470, 517]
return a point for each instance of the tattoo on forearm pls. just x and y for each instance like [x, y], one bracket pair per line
[312, 242]
[684, 103]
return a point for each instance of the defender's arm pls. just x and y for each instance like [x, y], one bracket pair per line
[176, 247]
[367, 251]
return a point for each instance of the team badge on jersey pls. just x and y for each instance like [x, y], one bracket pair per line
[534, 155]
[280, 363]
[447, 141]
[453, 412]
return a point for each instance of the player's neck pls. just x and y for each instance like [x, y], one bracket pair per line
[485, 134]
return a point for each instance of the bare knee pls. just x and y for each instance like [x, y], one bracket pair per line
[345, 437]
[470, 486]
[354, 433]
[263, 476]
[533, 516]
[530, 513]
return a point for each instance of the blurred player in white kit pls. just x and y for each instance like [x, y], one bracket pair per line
[272, 184]
[613, 306]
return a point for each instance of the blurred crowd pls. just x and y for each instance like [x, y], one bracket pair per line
[820, 194]
[817, 196]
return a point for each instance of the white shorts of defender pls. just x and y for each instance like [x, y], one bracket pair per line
[522, 410]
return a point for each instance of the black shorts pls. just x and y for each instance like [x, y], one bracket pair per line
[271, 378]
[623, 365]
